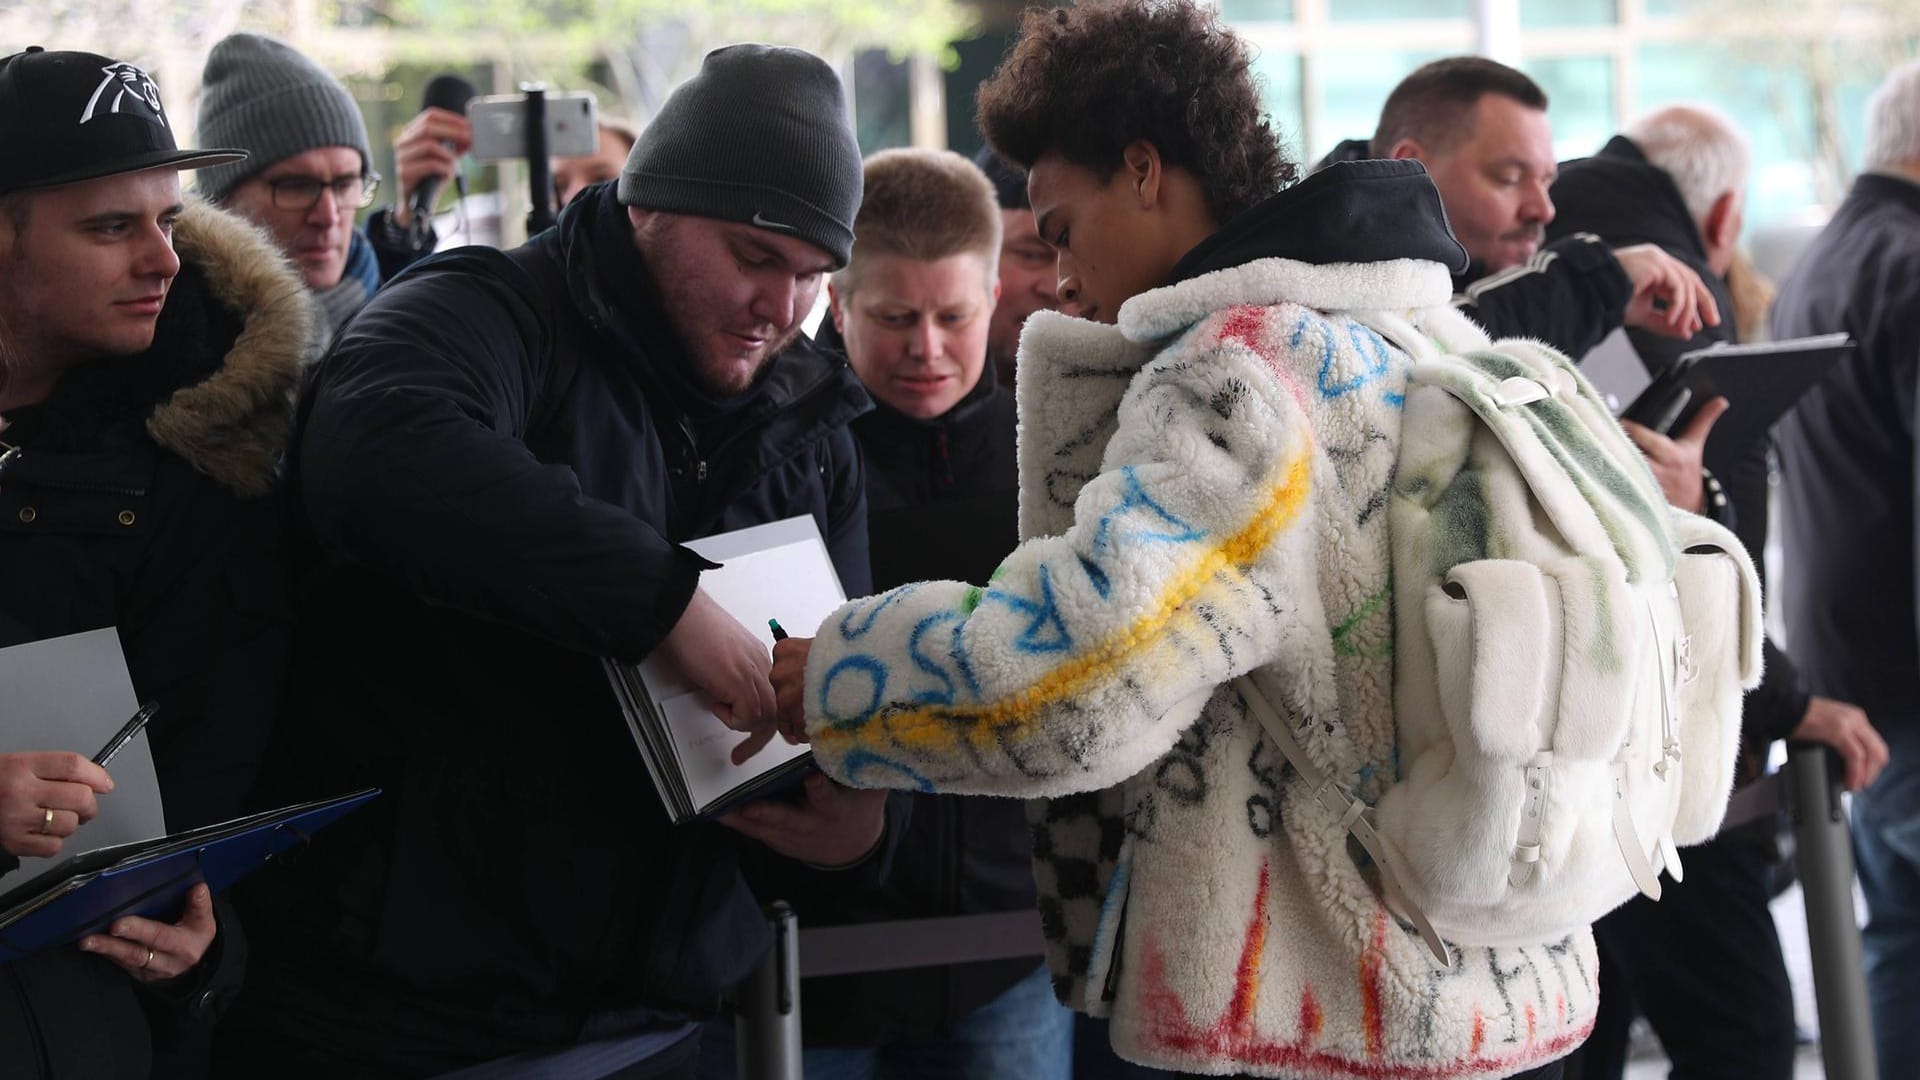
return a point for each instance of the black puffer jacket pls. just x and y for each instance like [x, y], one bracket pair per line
[497, 461]
[142, 500]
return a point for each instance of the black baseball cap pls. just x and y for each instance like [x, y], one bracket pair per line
[72, 116]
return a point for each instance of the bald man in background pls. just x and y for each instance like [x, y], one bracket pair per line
[1704, 963]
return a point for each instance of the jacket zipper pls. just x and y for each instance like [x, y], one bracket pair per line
[700, 462]
[945, 454]
[693, 444]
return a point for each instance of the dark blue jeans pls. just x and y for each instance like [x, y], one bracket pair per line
[1886, 852]
[1704, 965]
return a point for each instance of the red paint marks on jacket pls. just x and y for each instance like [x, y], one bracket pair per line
[1310, 1017]
[1245, 325]
[1372, 1015]
[1246, 977]
[1235, 1036]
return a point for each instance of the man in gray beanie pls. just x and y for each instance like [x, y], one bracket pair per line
[499, 461]
[309, 168]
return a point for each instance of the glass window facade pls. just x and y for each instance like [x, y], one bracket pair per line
[1803, 113]
[1354, 84]
[1398, 10]
[1250, 11]
[1559, 13]
[1279, 75]
[882, 103]
[1579, 102]
[1800, 100]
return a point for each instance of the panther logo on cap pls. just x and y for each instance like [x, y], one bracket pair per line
[133, 91]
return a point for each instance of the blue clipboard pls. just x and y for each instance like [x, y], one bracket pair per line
[151, 878]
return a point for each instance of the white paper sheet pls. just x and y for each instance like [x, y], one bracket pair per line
[776, 571]
[74, 693]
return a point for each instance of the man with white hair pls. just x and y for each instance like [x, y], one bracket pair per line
[1677, 178]
[1847, 463]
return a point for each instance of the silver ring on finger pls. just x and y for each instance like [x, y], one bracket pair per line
[148, 962]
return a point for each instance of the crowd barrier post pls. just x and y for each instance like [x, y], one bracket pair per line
[766, 1032]
[1825, 856]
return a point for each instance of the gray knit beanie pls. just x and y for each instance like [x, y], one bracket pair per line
[263, 97]
[761, 135]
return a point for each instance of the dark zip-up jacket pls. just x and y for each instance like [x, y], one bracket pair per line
[143, 499]
[1571, 294]
[497, 463]
[1625, 199]
[1847, 456]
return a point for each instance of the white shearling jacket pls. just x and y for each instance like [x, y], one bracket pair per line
[1202, 492]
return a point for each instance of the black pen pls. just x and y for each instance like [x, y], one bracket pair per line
[126, 733]
[779, 632]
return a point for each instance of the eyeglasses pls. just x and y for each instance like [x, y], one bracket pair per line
[303, 192]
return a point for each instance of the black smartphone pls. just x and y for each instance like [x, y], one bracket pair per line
[1665, 398]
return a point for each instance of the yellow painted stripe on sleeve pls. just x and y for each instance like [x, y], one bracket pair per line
[938, 727]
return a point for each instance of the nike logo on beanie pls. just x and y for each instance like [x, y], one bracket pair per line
[760, 220]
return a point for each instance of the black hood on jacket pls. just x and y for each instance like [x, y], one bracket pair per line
[1350, 212]
[1622, 197]
[616, 294]
[1348, 150]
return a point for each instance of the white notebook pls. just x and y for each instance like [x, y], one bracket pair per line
[777, 571]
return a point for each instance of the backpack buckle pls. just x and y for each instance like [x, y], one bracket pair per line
[1683, 664]
[1519, 390]
[1335, 799]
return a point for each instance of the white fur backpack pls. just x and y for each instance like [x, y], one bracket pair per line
[1570, 657]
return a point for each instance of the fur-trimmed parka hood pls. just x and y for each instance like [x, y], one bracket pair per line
[234, 424]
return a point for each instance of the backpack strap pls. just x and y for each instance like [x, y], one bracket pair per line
[1591, 481]
[1352, 814]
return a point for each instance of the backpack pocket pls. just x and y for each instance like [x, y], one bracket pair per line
[1717, 658]
[1507, 823]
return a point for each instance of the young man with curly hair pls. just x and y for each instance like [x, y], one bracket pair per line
[1208, 434]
